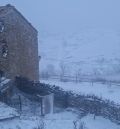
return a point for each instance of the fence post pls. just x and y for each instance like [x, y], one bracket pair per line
[20, 103]
[42, 108]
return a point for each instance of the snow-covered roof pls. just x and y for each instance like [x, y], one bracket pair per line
[3, 85]
[7, 112]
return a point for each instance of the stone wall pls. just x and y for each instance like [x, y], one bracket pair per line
[22, 42]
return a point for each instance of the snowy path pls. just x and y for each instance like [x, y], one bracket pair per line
[111, 93]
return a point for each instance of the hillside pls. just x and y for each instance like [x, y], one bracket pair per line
[89, 52]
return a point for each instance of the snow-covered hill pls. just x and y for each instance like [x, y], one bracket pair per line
[90, 51]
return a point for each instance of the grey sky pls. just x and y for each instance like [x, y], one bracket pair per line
[69, 15]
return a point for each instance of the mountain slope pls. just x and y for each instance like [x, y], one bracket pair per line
[91, 51]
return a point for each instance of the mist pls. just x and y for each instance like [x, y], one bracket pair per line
[64, 16]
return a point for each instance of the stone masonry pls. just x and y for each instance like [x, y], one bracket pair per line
[18, 45]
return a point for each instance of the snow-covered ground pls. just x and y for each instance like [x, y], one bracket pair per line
[109, 92]
[90, 51]
[65, 120]
[61, 120]
[30, 118]
[99, 123]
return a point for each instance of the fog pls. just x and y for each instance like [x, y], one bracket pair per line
[64, 16]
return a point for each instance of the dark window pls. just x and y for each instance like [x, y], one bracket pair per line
[1, 73]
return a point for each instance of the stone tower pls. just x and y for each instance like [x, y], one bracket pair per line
[18, 45]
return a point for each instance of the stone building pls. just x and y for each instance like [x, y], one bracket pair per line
[18, 45]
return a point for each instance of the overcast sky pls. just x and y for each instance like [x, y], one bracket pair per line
[58, 16]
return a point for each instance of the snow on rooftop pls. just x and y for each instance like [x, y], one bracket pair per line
[7, 112]
[3, 83]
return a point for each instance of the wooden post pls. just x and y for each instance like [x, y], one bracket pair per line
[20, 103]
[42, 110]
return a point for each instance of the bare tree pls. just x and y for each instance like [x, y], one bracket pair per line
[62, 70]
[77, 75]
[82, 126]
[44, 74]
[50, 69]
[75, 124]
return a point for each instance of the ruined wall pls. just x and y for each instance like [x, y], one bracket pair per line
[22, 44]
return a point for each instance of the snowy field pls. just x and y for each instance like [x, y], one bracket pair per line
[90, 52]
[61, 120]
[103, 91]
